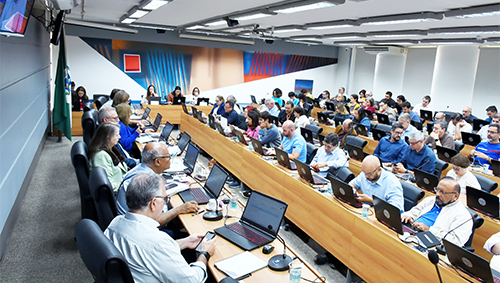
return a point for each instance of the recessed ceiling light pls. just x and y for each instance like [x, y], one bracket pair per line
[153, 4]
[252, 17]
[302, 8]
[216, 23]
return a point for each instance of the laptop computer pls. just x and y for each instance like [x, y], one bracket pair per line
[470, 263]
[338, 121]
[360, 129]
[417, 125]
[495, 165]
[477, 124]
[259, 223]
[383, 118]
[483, 202]
[212, 188]
[240, 136]
[252, 97]
[284, 160]
[305, 173]
[321, 139]
[199, 115]
[307, 134]
[330, 106]
[470, 139]
[203, 101]
[274, 120]
[167, 130]
[211, 121]
[426, 114]
[257, 146]
[379, 134]
[355, 152]
[190, 158]
[445, 153]
[179, 101]
[145, 115]
[156, 124]
[323, 118]
[430, 127]
[220, 129]
[154, 100]
[195, 111]
[344, 192]
[425, 180]
[390, 216]
[185, 109]
[183, 141]
[316, 103]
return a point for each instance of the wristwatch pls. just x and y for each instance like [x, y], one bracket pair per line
[206, 254]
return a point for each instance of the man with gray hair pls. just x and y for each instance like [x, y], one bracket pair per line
[155, 159]
[271, 107]
[439, 136]
[417, 156]
[405, 121]
[153, 256]
[237, 108]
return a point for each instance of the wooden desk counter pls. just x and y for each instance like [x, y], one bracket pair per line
[76, 123]
[367, 247]
[171, 113]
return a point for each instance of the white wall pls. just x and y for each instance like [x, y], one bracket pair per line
[362, 72]
[418, 73]
[487, 84]
[388, 74]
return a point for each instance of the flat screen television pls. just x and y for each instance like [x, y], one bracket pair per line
[14, 16]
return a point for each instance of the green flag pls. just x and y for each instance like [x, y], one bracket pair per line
[62, 93]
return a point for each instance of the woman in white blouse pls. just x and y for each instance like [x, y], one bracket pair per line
[301, 119]
[460, 172]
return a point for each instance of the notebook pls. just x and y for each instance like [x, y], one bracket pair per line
[379, 134]
[190, 158]
[390, 216]
[425, 180]
[383, 119]
[257, 146]
[240, 136]
[183, 142]
[470, 263]
[179, 101]
[445, 153]
[344, 192]
[355, 152]
[470, 139]
[212, 188]
[284, 160]
[483, 202]
[259, 223]
[426, 114]
[305, 173]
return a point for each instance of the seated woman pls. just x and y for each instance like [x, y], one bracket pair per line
[218, 106]
[354, 103]
[277, 93]
[128, 135]
[460, 172]
[79, 98]
[193, 98]
[103, 153]
[174, 94]
[151, 92]
[362, 96]
[369, 105]
[341, 111]
[301, 119]
[253, 124]
[361, 118]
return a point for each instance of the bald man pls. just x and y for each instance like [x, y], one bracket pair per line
[467, 115]
[443, 214]
[155, 159]
[344, 130]
[293, 142]
[375, 181]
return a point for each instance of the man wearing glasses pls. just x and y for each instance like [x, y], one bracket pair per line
[329, 155]
[375, 181]
[485, 151]
[391, 148]
[155, 159]
[154, 256]
[419, 156]
[443, 215]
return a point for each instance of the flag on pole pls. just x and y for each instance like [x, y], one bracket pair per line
[62, 93]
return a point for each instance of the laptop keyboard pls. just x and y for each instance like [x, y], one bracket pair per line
[407, 228]
[247, 233]
[199, 195]
[319, 180]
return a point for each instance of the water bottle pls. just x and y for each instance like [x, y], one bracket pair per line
[250, 146]
[366, 209]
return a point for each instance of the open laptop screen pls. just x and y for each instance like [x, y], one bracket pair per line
[191, 156]
[264, 212]
[215, 181]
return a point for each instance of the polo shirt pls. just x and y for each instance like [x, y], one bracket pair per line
[296, 144]
[389, 151]
[430, 217]
[408, 131]
[414, 116]
[492, 150]
[425, 159]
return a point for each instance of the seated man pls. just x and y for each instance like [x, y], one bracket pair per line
[271, 107]
[405, 121]
[443, 215]
[467, 115]
[269, 135]
[406, 106]
[418, 155]
[384, 109]
[490, 111]
[287, 113]
[425, 105]
[344, 130]
[485, 151]
[439, 136]
[329, 155]
[153, 256]
[155, 159]
[388, 100]
[236, 107]
[458, 125]
[375, 181]
[230, 114]
[483, 132]
[293, 143]
[492, 246]
[391, 148]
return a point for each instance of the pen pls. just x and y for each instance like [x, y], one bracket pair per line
[198, 212]
[244, 276]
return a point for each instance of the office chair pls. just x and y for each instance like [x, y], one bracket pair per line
[81, 164]
[411, 194]
[308, 107]
[486, 183]
[99, 102]
[440, 167]
[342, 173]
[89, 125]
[87, 106]
[382, 127]
[315, 129]
[459, 146]
[311, 152]
[102, 193]
[477, 222]
[100, 255]
[356, 141]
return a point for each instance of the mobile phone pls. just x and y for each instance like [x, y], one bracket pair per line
[209, 236]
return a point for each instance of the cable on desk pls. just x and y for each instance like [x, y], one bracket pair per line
[351, 210]
[452, 266]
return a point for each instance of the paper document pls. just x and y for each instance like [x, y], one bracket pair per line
[240, 264]
[176, 165]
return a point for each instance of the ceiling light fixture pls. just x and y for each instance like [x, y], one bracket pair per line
[397, 33]
[156, 27]
[99, 26]
[331, 25]
[253, 16]
[343, 36]
[467, 30]
[136, 13]
[456, 41]
[152, 4]
[216, 23]
[302, 6]
[474, 12]
[219, 39]
[401, 19]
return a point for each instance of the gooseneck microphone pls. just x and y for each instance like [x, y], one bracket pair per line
[434, 258]
[279, 262]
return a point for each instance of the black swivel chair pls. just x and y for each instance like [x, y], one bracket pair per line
[487, 184]
[356, 141]
[383, 127]
[311, 152]
[102, 193]
[411, 194]
[459, 146]
[89, 125]
[243, 122]
[87, 106]
[342, 173]
[99, 102]
[308, 108]
[477, 222]
[440, 167]
[81, 164]
[100, 255]
[315, 129]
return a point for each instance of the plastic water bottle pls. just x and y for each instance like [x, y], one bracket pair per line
[250, 146]
[366, 209]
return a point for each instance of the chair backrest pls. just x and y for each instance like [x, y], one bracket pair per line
[89, 125]
[440, 167]
[87, 106]
[477, 222]
[411, 194]
[102, 193]
[100, 255]
[417, 125]
[486, 183]
[383, 127]
[311, 152]
[80, 162]
[356, 141]
[100, 101]
[243, 122]
[315, 129]
[341, 173]
[308, 107]
[459, 146]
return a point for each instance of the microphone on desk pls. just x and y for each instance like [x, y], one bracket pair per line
[440, 249]
[279, 262]
[434, 258]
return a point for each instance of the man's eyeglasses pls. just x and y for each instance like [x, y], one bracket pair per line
[414, 143]
[373, 172]
[165, 198]
[167, 157]
[436, 190]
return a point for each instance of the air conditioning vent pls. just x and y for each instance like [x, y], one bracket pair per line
[390, 50]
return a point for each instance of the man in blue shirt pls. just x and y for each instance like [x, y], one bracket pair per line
[391, 149]
[467, 115]
[485, 151]
[232, 117]
[375, 181]
[418, 155]
[271, 107]
[329, 155]
[293, 143]
[405, 121]
[490, 111]
[269, 134]
[406, 106]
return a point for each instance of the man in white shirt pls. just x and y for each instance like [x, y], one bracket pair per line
[458, 125]
[424, 105]
[271, 107]
[492, 245]
[153, 256]
[329, 155]
[483, 132]
[405, 121]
